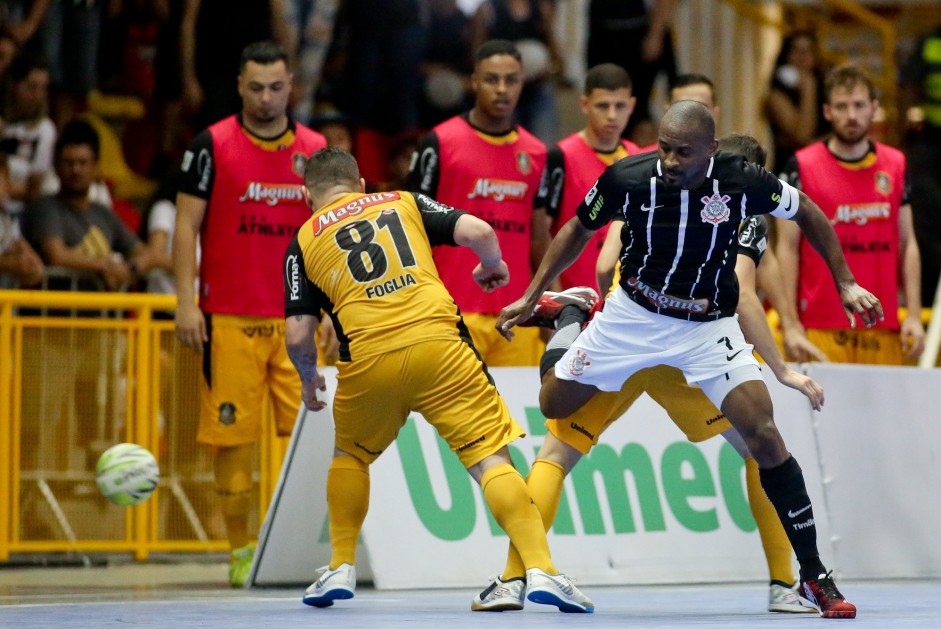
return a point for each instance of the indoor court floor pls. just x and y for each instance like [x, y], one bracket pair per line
[195, 595]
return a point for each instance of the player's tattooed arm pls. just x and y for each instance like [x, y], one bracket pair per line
[302, 350]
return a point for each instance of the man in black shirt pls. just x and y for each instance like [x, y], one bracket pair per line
[682, 208]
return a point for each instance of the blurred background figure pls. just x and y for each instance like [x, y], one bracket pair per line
[447, 66]
[20, 265]
[212, 37]
[795, 99]
[636, 35]
[528, 24]
[306, 31]
[921, 102]
[28, 135]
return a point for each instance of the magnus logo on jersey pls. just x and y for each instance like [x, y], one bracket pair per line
[861, 213]
[499, 190]
[714, 209]
[662, 300]
[353, 208]
[272, 193]
[292, 272]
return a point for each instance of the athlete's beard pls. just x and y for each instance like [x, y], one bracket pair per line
[854, 136]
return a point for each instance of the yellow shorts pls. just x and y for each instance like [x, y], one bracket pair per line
[688, 407]
[245, 359]
[443, 380]
[878, 346]
[525, 350]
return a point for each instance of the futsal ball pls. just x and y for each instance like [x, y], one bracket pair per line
[127, 474]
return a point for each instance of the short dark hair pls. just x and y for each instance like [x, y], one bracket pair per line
[496, 47]
[847, 76]
[607, 76]
[78, 132]
[746, 146]
[263, 53]
[329, 166]
[24, 64]
[691, 78]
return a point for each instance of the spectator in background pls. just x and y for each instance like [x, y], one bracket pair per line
[448, 65]
[19, 263]
[73, 232]
[157, 226]
[794, 104]
[28, 135]
[335, 127]
[213, 34]
[22, 18]
[637, 36]
[921, 94]
[70, 35]
[9, 49]
[382, 94]
[528, 24]
[861, 186]
[493, 168]
[307, 27]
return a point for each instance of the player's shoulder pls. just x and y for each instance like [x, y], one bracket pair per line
[634, 168]
[309, 136]
[888, 152]
[529, 142]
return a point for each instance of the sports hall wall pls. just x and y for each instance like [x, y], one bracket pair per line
[645, 506]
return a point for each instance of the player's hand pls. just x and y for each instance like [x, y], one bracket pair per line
[858, 300]
[519, 310]
[492, 277]
[912, 335]
[309, 391]
[798, 347]
[191, 326]
[805, 384]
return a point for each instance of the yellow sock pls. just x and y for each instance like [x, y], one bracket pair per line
[774, 540]
[233, 473]
[512, 506]
[545, 486]
[347, 504]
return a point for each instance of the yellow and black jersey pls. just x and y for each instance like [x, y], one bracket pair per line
[366, 260]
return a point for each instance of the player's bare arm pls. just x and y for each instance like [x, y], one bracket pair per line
[190, 323]
[816, 228]
[492, 272]
[608, 257]
[564, 249]
[911, 331]
[299, 338]
[769, 278]
[754, 323]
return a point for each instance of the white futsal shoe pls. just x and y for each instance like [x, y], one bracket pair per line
[558, 590]
[333, 585]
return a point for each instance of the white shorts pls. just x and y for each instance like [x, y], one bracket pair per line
[624, 338]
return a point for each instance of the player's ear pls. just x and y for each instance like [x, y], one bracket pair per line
[713, 148]
[362, 185]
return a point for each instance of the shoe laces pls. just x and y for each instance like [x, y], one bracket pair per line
[827, 587]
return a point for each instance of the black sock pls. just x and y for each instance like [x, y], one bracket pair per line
[786, 490]
[568, 327]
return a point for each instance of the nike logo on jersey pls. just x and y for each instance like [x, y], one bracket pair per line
[794, 514]
[646, 208]
[731, 356]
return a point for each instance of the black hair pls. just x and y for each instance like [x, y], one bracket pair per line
[329, 166]
[263, 53]
[496, 47]
[607, 76]
[78, 132]
[746, 146]
[691, 78]
[23, 64]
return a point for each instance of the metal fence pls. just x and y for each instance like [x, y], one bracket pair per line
[79, 373]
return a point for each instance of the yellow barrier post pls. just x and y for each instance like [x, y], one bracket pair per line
[6, 395]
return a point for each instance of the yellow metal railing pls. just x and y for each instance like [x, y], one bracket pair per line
[136, 383]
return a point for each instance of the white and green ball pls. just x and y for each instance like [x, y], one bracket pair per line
[127, 474]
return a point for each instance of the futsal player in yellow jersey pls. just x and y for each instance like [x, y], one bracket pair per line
[567, 441]
[366, 260]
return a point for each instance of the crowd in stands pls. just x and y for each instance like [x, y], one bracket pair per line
[373, 76]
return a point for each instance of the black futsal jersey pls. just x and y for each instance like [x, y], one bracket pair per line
[678, 246]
